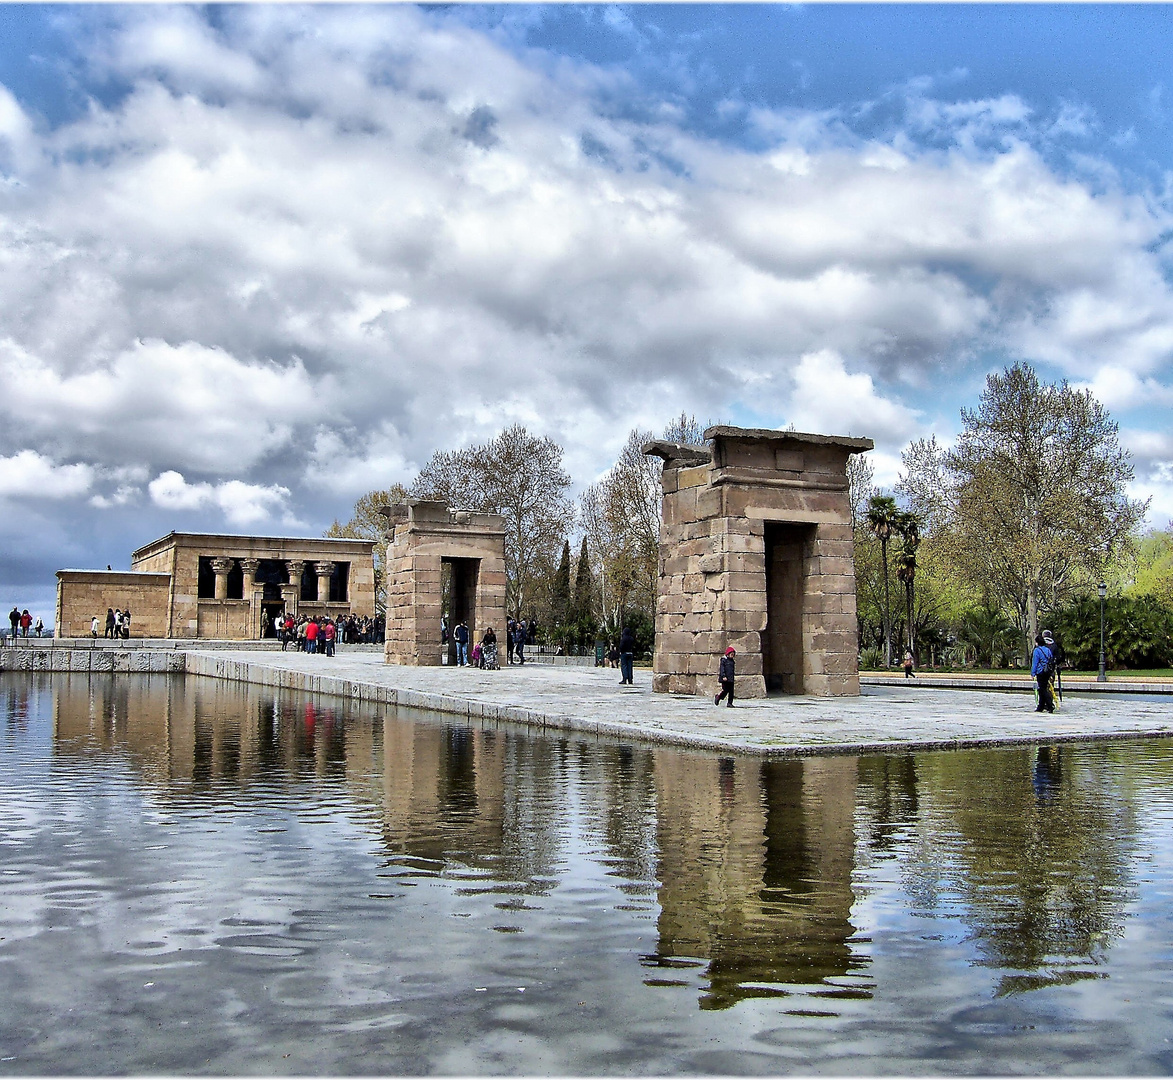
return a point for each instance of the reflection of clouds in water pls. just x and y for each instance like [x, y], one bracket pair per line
[349, 874]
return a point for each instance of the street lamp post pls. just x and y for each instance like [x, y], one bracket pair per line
[1103, 591]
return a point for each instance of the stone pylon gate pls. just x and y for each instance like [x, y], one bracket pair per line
[427, 540]
[756, 552]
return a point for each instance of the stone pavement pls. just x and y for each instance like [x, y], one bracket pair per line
[884, 718]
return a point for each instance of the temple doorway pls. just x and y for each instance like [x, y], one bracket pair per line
[787, 549]
[458, 592]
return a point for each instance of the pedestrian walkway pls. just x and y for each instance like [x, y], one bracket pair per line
[882, 719]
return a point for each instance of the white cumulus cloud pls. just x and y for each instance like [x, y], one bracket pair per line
[28, 474]
[241, 504]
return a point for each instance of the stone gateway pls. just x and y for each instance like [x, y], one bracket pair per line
[756, 552]
[441, 563]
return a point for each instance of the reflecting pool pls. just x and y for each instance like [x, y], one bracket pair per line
[198, 877]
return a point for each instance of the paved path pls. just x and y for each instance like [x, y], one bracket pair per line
[884, 718]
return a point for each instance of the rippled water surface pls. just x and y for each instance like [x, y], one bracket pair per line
[204, 878]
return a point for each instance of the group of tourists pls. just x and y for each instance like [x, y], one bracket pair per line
[518, 634]
[484, 652]
[22, 623]
[117, 624]
[320, 634]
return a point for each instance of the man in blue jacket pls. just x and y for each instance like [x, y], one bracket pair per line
[1040, 667]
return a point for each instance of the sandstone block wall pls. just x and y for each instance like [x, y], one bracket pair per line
[424, 535]
[82, 594]
[756, 552]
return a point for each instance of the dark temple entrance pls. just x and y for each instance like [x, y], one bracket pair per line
[458, 590]
[787, 548]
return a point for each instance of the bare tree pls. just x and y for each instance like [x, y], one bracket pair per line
[520, 476]
[687, 429]
[1032, 499]
[367, 523]
[860, 473]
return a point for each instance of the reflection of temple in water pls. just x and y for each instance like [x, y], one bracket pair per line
[746, 865]
[194, 730]
[756, 860]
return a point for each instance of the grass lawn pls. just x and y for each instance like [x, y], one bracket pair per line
[1150, 673]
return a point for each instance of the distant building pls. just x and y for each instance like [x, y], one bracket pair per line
[208, 585]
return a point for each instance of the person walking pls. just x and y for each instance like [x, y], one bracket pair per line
[1058, 657]
[908, 672]
[26, 620]
[1041, 663]
[109, 631]
[519, 642]
[460, 636]
[126, 624]
[95, 625]
[726, 675]
[626, 657]
[510, 630]
[14, 620]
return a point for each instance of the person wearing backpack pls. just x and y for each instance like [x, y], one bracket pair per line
[1057, 659]
[1041, 664]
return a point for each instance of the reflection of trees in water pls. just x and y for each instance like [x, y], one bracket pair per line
[618, 789]
[1034, 849]
[888, 801]
[487, 801]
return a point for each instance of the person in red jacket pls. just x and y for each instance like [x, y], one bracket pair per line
[726, 675]
[329, 633]
[311, 636]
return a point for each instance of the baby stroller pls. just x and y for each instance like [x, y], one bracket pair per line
[489, 657]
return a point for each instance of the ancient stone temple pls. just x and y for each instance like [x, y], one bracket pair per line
[441, 562]
[209, 585]
[756, 552]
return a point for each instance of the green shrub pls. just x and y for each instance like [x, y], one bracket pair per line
[1138, 633]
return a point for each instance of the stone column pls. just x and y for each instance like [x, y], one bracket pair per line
[250, 568]
[292, 591]
[253, 594]
[324, 570]
[221, 567]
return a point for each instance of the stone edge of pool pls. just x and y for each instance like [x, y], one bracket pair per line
[257, 672]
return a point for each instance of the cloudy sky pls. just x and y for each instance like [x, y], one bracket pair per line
[257, 260]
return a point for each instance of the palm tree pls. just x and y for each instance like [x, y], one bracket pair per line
[986, 628]
[882, 517]
[908, 527]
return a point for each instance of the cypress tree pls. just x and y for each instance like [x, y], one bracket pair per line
[583, 587]
[560, 600]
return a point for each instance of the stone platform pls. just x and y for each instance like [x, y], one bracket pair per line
[884, 719]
